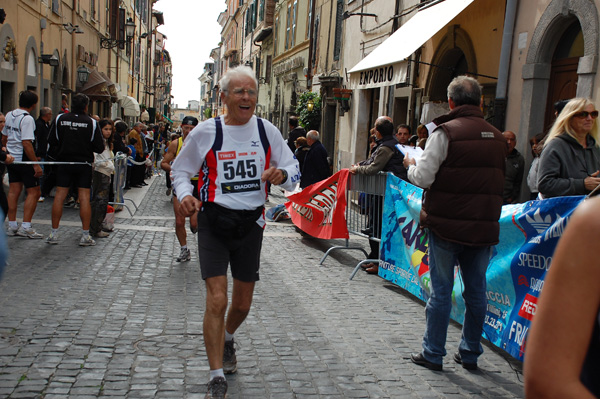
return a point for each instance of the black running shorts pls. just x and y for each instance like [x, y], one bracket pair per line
[215, 253]
[80, 175]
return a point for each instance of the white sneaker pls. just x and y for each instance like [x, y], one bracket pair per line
[29, 233]
[184, 256]
[41, 199]
[87, 241]
[11, 232]
[52, 239]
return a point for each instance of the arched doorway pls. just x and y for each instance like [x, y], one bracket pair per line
[453, 63]
[563, 72]
[555, 36]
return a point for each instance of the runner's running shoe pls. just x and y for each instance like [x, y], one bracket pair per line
[29, 233]
[229, 358]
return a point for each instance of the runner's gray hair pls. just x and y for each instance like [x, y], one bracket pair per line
[237, 72]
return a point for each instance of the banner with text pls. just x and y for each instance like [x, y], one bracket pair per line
[319, 209]
[529, 233]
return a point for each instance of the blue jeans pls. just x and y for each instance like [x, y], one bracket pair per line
[473, 261]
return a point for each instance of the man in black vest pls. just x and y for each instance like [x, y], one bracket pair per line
[462, 172]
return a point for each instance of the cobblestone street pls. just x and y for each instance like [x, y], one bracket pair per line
[123, 319]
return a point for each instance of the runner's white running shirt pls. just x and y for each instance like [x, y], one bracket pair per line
[230, 166]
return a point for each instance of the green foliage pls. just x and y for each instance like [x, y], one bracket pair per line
[309, 120]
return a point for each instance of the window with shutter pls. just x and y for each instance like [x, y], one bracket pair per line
[337, 47]
[114, 18]
[121, 28]
[55, 6]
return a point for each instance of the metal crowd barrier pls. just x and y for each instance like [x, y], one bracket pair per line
[119, 182]
[364, 211]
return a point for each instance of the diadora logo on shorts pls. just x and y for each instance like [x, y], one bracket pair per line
[227, 155]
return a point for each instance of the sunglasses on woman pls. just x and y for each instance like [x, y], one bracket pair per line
[585, 114]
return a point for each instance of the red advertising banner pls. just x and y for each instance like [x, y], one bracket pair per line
[319, 209]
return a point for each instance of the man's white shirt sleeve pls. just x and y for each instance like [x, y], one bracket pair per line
[436, 151]
[282, 157]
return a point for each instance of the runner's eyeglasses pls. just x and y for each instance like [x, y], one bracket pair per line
[239, 92]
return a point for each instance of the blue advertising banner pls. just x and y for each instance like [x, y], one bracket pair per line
[529, 233]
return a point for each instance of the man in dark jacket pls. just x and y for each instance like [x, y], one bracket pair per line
[462, 172]
[515, 167]
[295, 132]
[74, 137]
[386, 158]
[316, 166]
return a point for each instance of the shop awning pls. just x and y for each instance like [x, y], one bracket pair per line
[387, 65]
[130, 106]
[96, 88]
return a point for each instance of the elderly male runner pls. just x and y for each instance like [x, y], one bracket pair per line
[187, 124]
[236, 155]
[462, 172]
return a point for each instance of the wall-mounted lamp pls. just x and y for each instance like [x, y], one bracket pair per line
[83, 73]
[310, 105]
[158, 80]
[49, 59]
[106, 42]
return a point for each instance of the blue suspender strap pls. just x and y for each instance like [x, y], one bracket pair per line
[263, 135]
[218, 143]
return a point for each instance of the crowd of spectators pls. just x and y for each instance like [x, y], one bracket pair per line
[72, 155]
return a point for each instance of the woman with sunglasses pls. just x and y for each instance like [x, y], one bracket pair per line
[570, 160]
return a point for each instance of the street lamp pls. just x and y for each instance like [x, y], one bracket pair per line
[310, 105]
[108, 43]
[49, 59]
[83, 74]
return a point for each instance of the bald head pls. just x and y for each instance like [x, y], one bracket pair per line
[511, 140]
[312, 136]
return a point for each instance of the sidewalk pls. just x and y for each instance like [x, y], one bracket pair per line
[123, 319]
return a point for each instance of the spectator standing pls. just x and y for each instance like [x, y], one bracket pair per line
[515, 167]
[462, 172]
[237, 154]
[302, 149]
[295, 132]
[18, 137]
[532, 176]
[64, 107]
[402, 134]
[387, 158]
[6, 159]
[316, 165]
[104, 168]
[42, 128]
[76, 137]
[570, 160]
[422, 135]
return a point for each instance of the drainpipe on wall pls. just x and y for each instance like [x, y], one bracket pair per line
[503, 69]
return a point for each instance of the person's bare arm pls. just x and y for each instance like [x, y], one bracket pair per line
[30, 152]
[165, 164]
[567, 310]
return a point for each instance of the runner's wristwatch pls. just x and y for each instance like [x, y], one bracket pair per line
[285, 175]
